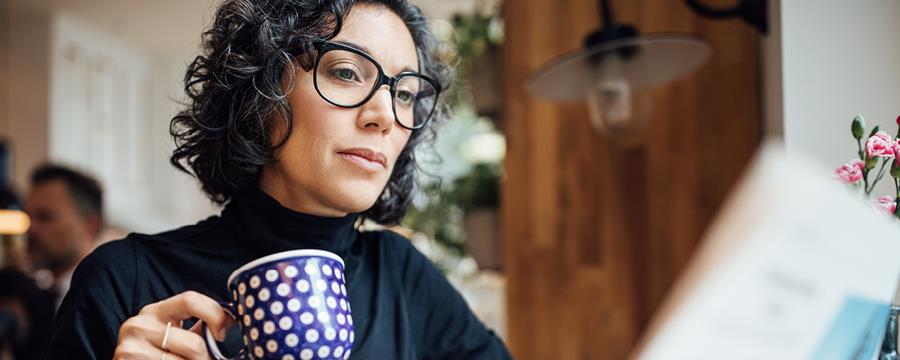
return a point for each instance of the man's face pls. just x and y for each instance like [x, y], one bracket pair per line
[59, 234]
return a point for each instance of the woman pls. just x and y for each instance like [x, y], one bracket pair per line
[303, 119]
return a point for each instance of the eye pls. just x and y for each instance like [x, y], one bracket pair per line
[345, 74]
[405, 97]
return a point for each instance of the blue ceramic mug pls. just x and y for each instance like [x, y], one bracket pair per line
[291, 305]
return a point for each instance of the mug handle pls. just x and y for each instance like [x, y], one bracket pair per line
[211, 345]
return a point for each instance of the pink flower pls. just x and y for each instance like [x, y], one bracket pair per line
[850, 173]
[896, 148]
[885, 205]
[880, 145]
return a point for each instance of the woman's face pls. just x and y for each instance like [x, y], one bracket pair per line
[326, 167]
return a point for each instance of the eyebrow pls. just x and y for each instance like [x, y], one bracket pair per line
[367, 51]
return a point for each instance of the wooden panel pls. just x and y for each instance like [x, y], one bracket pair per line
[4, 69]
[595, 231]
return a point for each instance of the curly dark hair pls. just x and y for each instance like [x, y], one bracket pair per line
[235, 93]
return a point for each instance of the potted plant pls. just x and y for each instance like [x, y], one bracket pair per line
[478, 38]
[478, 194]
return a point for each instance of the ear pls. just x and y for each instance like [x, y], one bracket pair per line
[92, 226]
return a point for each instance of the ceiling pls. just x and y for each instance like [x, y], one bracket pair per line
[173, 27]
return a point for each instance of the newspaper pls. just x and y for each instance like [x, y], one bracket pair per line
[796, 266]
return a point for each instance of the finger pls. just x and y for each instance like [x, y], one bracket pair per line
[141, 349]
[193, 304]
[197, 328]
[166, 355]
[187, 344]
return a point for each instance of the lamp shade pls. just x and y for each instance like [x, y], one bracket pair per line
[644, 61]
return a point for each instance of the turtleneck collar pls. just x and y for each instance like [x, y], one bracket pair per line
[260, 222]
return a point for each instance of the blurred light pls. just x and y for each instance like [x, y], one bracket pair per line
[484, 148]
[13, 222]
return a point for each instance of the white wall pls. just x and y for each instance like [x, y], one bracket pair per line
[838, 59]
[111, 105]
[82, 96]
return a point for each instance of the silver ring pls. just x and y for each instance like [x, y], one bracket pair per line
[165, 342]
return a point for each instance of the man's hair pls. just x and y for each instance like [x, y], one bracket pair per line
[84, 189]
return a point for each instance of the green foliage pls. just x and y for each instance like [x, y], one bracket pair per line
[476, 33]
[440, 219]
[479, 188]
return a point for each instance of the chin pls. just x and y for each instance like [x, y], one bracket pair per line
[355, 202]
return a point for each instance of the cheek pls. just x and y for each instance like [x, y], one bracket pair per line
[399, 142]
[314, 128]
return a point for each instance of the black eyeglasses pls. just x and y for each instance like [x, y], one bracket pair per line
[348, 77]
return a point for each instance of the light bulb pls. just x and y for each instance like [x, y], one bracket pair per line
[609, 96]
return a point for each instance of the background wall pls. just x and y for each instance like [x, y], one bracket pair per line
[838, 59]
[92, 89]
[596, 231]
[27, 86]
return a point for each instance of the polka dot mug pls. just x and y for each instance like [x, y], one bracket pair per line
[291, 305]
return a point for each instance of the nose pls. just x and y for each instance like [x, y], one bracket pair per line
[378, 113]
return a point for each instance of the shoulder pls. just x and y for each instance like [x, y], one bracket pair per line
[388, 239]
[418, 276]
[118, 258]
[398, 248]
[112, 256]
[185, 233]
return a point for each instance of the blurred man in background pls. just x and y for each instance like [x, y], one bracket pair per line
[66, 210]
[26, 316]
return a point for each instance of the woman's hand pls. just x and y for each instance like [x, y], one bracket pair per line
[141, 336]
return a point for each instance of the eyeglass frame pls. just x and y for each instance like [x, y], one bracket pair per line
[324, 47]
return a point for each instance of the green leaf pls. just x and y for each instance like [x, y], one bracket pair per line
[858, 127]
[871, 162]
[895, 170]
[874, 131]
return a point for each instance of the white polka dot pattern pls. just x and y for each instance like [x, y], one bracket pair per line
[290, 271]
[294, 305]
[263, 294]
[303, 286]
[296, 308]
[324, 351]
[306, 354]
[272, 275]
[283, 290]
[312, 335]
[276, 308]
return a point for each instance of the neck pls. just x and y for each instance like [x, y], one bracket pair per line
[61, 273]
[294, 197]
[72, 262]
[264, 224]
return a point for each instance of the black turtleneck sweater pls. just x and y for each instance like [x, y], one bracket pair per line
[404, 308]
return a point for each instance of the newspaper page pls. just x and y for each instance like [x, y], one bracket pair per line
[796, 266]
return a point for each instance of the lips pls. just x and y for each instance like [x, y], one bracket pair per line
[367, 158]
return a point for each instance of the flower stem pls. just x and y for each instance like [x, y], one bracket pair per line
[897, 198]
[866, 181]
[879, 176]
